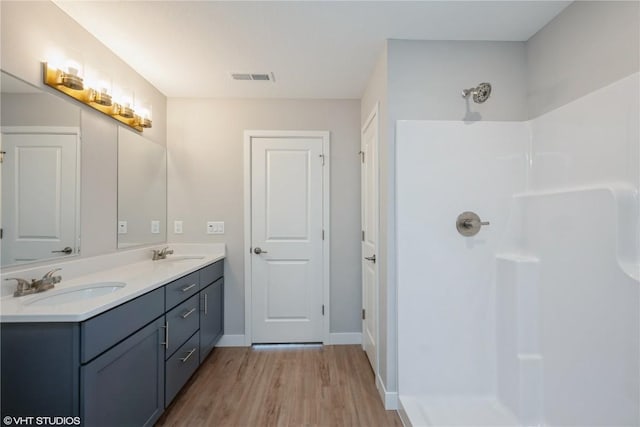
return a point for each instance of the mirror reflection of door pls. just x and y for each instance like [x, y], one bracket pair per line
[40, 193]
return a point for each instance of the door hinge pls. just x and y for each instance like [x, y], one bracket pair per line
[361, 155]
[363, 235]
[2, 153]
[322, 234]
[323, 309]
[363, 314]
[322, 157]
[1, 232]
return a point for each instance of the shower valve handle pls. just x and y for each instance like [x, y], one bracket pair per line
[468, 224]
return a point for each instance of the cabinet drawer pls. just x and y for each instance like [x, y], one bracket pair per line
[181, 289]
[107, 329]
[211, 273]
[181, 366]
[182, 322]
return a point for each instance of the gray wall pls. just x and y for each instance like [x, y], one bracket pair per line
[426, 79]
[21, 109]
[205, 156]
[587, 46]
[32, 32]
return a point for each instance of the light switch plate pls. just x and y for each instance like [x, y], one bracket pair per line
[215, 227]
[155, 226]
[122, 227]
[177, 227]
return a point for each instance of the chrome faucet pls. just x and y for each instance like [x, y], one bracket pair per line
[25, 287]
[162, 253]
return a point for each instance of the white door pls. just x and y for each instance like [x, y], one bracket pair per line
[39, 196]
[286, 239]
[369, 207]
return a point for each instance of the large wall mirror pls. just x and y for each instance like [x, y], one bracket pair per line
[142, 190]
[40, 180]
[40, 141]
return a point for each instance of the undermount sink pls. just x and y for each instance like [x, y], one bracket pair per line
[178, 258]
[75, 294]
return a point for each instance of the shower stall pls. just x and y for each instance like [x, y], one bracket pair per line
[528, 313]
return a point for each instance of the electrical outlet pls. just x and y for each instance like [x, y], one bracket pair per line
[122, 227]
[177, 227]
[215, 227]
[155, 226]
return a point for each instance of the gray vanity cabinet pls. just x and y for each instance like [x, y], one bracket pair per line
[122, 367]
[211, 316]
[125, 385]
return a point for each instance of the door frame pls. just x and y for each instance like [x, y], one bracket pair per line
[326, 243]
[373, 115]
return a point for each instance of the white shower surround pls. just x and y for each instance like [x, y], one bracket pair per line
[535, 320]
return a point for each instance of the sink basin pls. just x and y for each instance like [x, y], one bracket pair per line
[75, 294]
[180, 258]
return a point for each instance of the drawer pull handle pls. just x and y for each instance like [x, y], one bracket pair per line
[166, 336]
[184, 359]
[191, 286]
[188, 313]
[205, 304]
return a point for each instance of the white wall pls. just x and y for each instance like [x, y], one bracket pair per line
[30, 33]
[205, 152]
[590, 141]
[446, 316]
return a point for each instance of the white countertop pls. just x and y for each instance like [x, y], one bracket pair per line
[140, 277]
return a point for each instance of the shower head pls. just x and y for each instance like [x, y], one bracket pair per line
[480, 93]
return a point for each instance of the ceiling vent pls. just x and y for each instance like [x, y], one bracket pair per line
[264, 77]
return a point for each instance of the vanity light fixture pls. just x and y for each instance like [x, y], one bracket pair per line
[71, 83]
[101, 97]
[70, 79]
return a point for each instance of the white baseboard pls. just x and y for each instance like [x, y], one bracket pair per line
[343, 338]
[404, 417]
[340, 338]
[389, 398]
[231, 341]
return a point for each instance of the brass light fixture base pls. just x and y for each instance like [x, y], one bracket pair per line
[72, 85]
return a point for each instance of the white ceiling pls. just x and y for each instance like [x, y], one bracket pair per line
[316, 49]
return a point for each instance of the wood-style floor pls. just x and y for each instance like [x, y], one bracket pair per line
[317, 386]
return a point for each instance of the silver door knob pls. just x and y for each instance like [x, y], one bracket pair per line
[66, 251]
[371, 258]
[259, 251]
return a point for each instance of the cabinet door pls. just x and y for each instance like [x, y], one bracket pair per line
[125, 385]
[211, 316]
